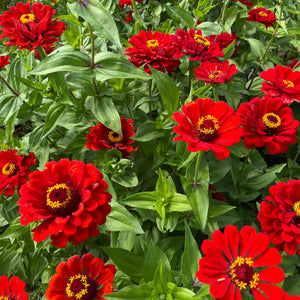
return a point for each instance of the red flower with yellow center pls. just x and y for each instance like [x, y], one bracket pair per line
[85, 278]
[268, 122]
[69, 198]
[12, 289]
[233, 263]
[262, 15]
[206, 125]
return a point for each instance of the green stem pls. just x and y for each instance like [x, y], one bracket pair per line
[92, 45]
[150, 99]
[200, 154]
[221, 19]
[41, 52]
[215, 92]
[9, 86]
[293, 163]
[244, 166]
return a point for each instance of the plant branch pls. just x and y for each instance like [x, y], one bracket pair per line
[9, 86]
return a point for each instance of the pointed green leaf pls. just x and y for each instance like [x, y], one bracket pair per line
[182, 14]
[145, 200]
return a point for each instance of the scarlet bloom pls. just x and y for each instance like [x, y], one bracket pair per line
[153, 49]
[231, 261]
[123, 3]
[85, 278]
[286, 296]
[12, 288]
[215, 72]
[262, 15]
[31, 28]
[283, 82]
[196, 46]
[279, 216]
[268, 122]
[246, 2]
[224, 39]
[293, 64]
[4, 61]
[101, 137]
[206, 125]
[69, 198]
[14, 170]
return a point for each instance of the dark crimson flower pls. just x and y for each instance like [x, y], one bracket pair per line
[153, 49]
[4, 61]
[69, 198]
[293, 64]
[85, 278]
[231, 261]
[196, 46]
[31, 28]
[129, 16]
[217, 195]
[14, 170]
[215, 72]
[101, 137]
[268, 122]
[279, 216]
[12, 289]
[283, 82]
[262, 15]
[224, 40]
[123, 3]
[246, 2]
[206, 125]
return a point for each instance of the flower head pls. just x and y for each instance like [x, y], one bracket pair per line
[101, 137]
[123, 3]
[268, 122]
[4, 61]
[85, 278]
[215, 72]
[283, 82]
[245, 2]
[14, 170]
[12, 288]
[31, 28]
[263, 16]
[233, 262]
[279, 216]
[69, 198]
[206, 125]
[224, 39]
[153, 49]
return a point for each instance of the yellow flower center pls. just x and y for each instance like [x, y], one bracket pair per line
[262, 14]
[297, 208]
[201, 40]
[77, 286]
[26, 18]
[152, 44]
[241, 273]
[58, 196]
[271, 120]
[208, 125]
[8, 169]
[114, 137]
[288, 83]
[4, 298]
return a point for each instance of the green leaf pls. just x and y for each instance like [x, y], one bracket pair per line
[182, 14]
[159, 280]
[13, 231]
[178, 202]
[179, 293]
[145, 200]
[9, 260]
[147, 132]
[257, 47]
[128, 180]
[219, 208]
[209, 28]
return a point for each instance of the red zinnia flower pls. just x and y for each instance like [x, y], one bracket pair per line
[4, 61]
[129, 16]
[153, 49]
[14, 170]
[224, 39]
[85, 278]
[12, 289]
[262, 15]
[122, 3]
[231, 260]
[286, 296]
[30, 29]
[206, 125]
[215, 72]
[246, 2]
[196, 46]
[279, 216]
[268, 122]
[283, 82]
[69, 197]
[101, 137]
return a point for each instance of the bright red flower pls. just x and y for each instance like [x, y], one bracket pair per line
[246, 2]
[283, 82]
[69, 198]
[196, 46]
[12, 288]
[153, 49]
[206, 125]
[215, 72]
[14, 170]
[30, 28]
[263, 16]
[123, 3]
[286, 296]
[85, 278]
[4, 61]
[129, 16]
[268, 122]
[230, 263]
[279, 216]
[294, 63]
[224, 39]
[101, 137]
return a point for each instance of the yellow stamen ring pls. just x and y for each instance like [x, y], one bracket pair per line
[262, 14]
[26, 18]
[82, 292]
[271, 123]
[152, 44]
[59, 204]
[8, 169]
[288, 83]
[201, 40]
[215, 123]
[113, 138]
[297, 208]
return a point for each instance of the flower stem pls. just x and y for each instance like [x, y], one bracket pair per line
[150, 99]
[222, 13]
[215, 92]
[200, 154]
[92, 45]
[293, 163]
[9, 86]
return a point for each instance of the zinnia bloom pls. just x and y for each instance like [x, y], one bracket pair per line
[286, 296]
[4, 61]
[85, 278]
[215, 72]
[153, 49]
[101, 137]
[69, 198]
[231, 261]
[262, 15]
[283, 82]
[268, 122]
[12, 288]
[279, 216]
[246, 2]
[14, 170]
[123, 3]
[224, 39]
[31, 28]
[206, 125]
